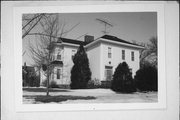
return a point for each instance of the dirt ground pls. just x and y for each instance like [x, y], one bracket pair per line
[38, 96]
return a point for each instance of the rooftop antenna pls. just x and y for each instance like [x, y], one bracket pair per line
[106, 24]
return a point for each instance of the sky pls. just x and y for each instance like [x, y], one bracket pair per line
[130, 26]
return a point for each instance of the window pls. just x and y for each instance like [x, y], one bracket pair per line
[132, 56]
[58, 73]
[109, 52]
[130, 69]
[59, 56]
[73, 53]
[123, 54]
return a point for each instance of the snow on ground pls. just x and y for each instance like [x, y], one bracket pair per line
[88, 96]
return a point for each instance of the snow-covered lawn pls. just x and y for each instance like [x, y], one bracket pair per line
[38, 95]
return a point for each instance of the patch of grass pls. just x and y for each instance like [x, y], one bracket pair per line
[43, 90]
[47, 99]
[60, 98]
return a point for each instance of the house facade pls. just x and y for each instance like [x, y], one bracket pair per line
[104, 54]
[61, 61]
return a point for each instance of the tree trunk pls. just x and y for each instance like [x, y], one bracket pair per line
[47, 91]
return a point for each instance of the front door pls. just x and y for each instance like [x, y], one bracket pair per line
[108, 73]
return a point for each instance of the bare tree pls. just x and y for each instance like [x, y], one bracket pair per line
[148, 55]
[30, 21]
[153, 50]
[42, 48]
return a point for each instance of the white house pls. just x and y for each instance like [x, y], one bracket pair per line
[61, 61]
[104, 54]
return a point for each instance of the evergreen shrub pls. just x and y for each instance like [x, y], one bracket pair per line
[122, 79]
[146, 78]
[80, 72]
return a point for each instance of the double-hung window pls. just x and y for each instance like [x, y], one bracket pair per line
[73, 53]
[58, 73]
[59, 56]
[109, 52]
[123, 54]
[132, 56]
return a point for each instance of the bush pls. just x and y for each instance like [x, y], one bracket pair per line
[44, 83]
[52, 84]
[122, 79]
[34, 81]
[30, 79]
[106, 84]
[146, 79]
[95, 83]
[80, 73]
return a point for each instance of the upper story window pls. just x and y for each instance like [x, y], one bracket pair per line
[59, 56]
[73, 53]
[132, 56]
[109, 52]
[123, 54]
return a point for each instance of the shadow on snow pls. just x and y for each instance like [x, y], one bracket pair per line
[59, 98]
[44, 90]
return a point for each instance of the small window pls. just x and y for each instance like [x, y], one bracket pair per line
[130, 70]
[109, 52]
[73, 53]
[132, 56]
[59, 56]
[58, 73]
[123, 54]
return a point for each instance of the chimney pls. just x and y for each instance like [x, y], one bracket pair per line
[88, 38]
[24, 64]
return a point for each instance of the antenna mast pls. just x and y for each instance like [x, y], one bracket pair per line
[106, 24]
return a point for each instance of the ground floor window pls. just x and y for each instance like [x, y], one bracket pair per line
[58, 73]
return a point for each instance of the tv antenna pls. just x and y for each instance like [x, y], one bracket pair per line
[106, 24]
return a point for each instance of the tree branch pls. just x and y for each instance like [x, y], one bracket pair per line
[42, 35]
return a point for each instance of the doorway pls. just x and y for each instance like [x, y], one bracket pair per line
[108, 73]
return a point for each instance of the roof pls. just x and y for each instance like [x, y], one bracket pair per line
[108, 37]
[57, 62]
[72, 41]
[113, 38]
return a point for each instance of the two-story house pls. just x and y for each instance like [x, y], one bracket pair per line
[104, 54]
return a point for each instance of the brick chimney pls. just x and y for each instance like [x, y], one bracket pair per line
[24, 64]
[88, 38]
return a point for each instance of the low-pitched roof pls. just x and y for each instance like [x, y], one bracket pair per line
[57, 62]
[113, 38]
[72, 41]
[107, 37]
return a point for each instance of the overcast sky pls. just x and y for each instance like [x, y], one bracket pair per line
[136, 26]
